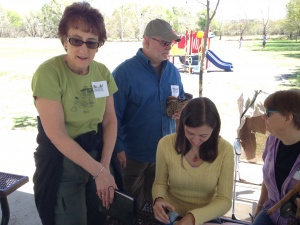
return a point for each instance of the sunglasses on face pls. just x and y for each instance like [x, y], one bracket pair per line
[78, 42]
[163, 43]
[269, 112]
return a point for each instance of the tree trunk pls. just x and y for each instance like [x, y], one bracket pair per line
[202, 66]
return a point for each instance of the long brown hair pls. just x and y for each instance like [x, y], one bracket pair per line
[198, 112]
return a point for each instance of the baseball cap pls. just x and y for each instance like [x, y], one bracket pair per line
[161, 28]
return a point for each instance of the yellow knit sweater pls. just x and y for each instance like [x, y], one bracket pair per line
[204, 191]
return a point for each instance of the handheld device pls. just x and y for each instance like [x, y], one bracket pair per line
[172, 216]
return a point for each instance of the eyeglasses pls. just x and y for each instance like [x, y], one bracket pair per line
[163, 43]
[268, 112]
[78, 42]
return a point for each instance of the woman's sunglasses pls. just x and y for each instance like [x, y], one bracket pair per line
[269, 112]
[78, 42]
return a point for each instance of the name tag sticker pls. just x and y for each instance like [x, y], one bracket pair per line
[100, 89]
[175, 90]
[297, 175]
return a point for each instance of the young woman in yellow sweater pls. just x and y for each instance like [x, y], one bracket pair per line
[194, 168]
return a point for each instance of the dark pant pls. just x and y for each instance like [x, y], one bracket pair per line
[77, 202]
[138, 178]
[262, 218]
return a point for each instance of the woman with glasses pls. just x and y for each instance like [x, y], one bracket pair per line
[77, 124]
[281, 170]
[195, 168]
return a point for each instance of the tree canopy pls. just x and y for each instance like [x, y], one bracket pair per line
[128, 21]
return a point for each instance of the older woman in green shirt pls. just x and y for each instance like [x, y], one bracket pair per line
[77, 125]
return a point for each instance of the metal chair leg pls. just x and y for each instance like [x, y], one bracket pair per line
[238, 150]
[5, 211]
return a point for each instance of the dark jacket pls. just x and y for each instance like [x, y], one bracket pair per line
[49, 162]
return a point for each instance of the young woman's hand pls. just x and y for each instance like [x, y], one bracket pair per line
[159, 207]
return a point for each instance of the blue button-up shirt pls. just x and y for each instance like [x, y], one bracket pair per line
[140, 105]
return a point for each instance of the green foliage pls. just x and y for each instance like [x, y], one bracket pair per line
[293, 16]
[129, 20]
[123, 22]
[50, 16]
[32, 24]
[202, 17]
[181, 19]
[14, 18]
[293, 10]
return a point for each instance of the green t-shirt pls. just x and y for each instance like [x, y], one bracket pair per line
[83, 97]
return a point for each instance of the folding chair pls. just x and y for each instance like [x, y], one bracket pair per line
[244, 106]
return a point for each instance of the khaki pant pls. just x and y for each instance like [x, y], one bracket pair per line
[77, 201]
[138, 178]
[247, 135]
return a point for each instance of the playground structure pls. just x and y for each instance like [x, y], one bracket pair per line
[189, 50]
[212, 57]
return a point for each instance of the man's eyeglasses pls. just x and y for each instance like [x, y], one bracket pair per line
[78, 42]
[163, 43]
[269, 112]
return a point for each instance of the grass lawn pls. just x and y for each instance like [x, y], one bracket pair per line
[284, 52]
[21, 57]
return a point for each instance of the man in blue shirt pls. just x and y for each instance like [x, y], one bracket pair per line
[144, 82]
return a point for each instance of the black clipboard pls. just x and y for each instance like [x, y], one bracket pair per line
[123, 208]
